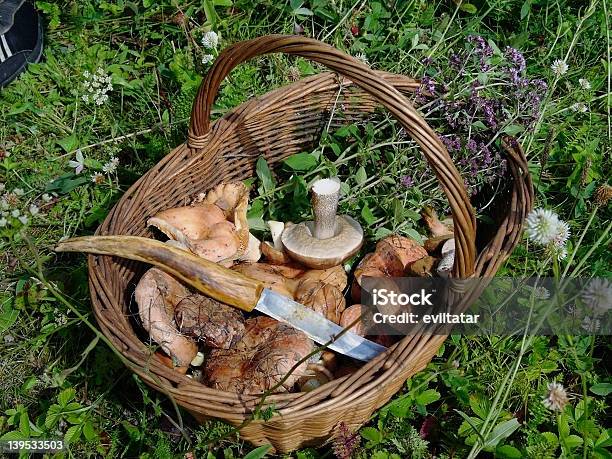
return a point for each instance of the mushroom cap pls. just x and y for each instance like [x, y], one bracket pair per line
[187, 223]
[302, 246]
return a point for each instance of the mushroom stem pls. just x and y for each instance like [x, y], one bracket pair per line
[325, 196]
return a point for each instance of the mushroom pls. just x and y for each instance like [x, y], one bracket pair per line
[202, 230]
[275, 253]
[390, 259]
[330, 239]
[445, 265]
[352, 317]
[279, 278]
[261, 359]
[318, 375]
[422, 267]
[213, 323]
[437, 227]
[335, 276]
[157, 295]
[323, 298]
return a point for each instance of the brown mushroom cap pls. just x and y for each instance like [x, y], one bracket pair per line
[261, 359]
[157, 294]
[323, 298]
[301, 244]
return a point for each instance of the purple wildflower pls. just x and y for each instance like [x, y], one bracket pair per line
[428, 84]
[407, 181]
[451, 142]
[482, 49]
[471, 146]
[427, 61]
[455, 61]
[516, 58]
[345, 442]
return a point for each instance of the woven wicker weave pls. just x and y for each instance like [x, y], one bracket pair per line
[276, 125]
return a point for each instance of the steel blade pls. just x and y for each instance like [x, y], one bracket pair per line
[317, 327]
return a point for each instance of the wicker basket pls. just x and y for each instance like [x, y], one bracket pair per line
[276, 125]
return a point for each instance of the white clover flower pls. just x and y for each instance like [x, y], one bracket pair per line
[4, 205]
[207, 58]
[562, 234]
[97, 86]
[584, 83]
[18, 191]
[23, 219]
[34, 210]
[97, 178]
[590, 325]
[2, 186]
[362, 57]
[544, 227]
[3, 222]
[111, 165]
[598, 295]
[557, 398]
[78, 163]
[210, 40]
[47, 197]
[579, 107]
[15, 213]
[560, 67]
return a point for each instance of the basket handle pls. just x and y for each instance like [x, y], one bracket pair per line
[435, 153]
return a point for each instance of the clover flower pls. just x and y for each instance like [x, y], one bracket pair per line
[598, 295]
[78, 163]
[210, 40]
[579, 107]
[34, 210]
[97, 178]
[560, 67]
[591, 325]
[584, 83]
[2, 186]
[23, 219]
[557, 397]
[47, 197]
[362, 57]
[111, 166]
[15, 213]
[3, 222]
[544, 228]
[207, 58]
[96, 85]
[18, 192]
[407, 181]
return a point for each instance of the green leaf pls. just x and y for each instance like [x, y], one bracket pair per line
[264, 174]
[258, 453]
[65, 396]
[598, 389]
[69, 143]
[24, 424]
[525, 9]
[501, 431]
[468, 8]
[551, 439]
[53, 414]
[301, 162]
[508, 452]
[303, 12]
[374, 436]
[361, 176]
[367, 215]
[513, 129]
[73, 434]
[572, 441]
[427, 397]
[480, 405]
[8, 316]
[89, 432]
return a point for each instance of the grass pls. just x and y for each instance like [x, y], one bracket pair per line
[481, 395]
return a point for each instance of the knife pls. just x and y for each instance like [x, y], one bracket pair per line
[229, 287]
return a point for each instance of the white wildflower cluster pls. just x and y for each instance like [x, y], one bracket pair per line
[560, 67]
[363, 58]
[60, 319]
[97, 85]
[546, 229]
[79, 164]
[598, 295]
[210, 40]
[10, 212]
[584, 84]
[579, 107]
[556, 399]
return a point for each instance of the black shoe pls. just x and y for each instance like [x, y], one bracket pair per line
[22, 43]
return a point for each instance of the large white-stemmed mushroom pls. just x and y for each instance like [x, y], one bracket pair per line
[331, 238]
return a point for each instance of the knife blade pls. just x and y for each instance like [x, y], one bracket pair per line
[317, 327]
[229, 287]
